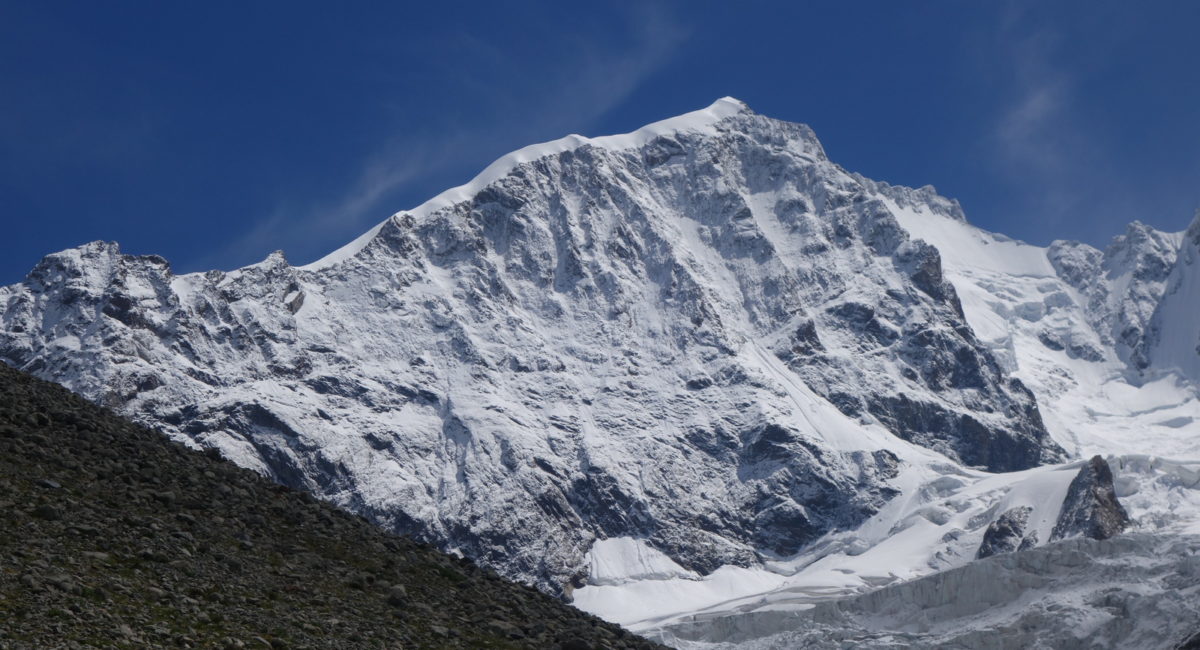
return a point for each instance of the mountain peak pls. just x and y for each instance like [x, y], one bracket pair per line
[701, 121]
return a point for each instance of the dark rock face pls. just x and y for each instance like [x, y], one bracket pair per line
[1190, 643]
[1007, 534]
[1091, 508]
[927, 423]
[112, 536]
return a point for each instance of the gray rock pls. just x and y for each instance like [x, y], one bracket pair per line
[1091, 508]
[47, 512]
[1190, 643]
[1030, 541]
[30, 582]
[1007, 533]
[62, 582]
[397, 596]
[505, 629]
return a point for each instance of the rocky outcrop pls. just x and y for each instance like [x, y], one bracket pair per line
[1007, 533]
[1091, 508]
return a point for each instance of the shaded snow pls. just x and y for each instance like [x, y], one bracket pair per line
[1016, 302]
[1176, 332]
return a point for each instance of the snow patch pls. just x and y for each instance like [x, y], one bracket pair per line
[624, 559]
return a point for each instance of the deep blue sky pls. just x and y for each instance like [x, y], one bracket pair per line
[213, 133]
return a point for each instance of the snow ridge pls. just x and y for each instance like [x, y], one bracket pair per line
[700, 121]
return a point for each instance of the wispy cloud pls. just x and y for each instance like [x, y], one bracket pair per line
[1035, 143]
[1025, 132]
[1057, 156]
[561, 94]
[328, 225]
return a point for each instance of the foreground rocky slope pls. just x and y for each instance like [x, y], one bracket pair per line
[112, 536]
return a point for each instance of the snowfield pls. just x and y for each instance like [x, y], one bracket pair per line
[705, 383]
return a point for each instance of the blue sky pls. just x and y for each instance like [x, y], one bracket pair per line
[214, 133]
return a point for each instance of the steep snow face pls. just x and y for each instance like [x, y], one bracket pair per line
[703, 336]
[1174, 339]
[1075, 325]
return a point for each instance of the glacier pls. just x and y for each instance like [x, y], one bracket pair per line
[698, 378]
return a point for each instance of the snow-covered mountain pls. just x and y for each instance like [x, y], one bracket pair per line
[689, 371]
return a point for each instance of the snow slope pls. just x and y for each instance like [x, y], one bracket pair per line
[938, 524]
[1039, 326]
[1175, 337]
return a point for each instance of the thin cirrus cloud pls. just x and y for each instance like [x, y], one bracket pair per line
[1034, 139]
[1073, 164]
[585, 79]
